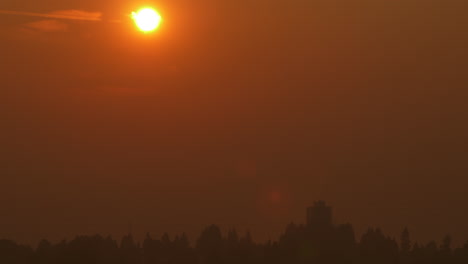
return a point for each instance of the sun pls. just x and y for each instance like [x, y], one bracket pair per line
[147, 19]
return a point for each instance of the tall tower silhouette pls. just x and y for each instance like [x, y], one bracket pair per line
[319, 215]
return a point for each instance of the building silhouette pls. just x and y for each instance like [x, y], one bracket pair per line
[319, 215]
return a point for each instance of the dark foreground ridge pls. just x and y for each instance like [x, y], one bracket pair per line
[319, 241]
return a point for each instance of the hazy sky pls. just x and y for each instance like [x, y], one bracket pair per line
[240, 113]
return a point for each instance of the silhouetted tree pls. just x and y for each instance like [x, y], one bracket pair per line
[247, 250]
[344, 249]
[209, 245]
[318, 242]
[405, 246]
[405, 242]
[44, 253]
[461, 254]
[10, 252]
[445, 254]
[151, 249]
[376, 248]
[182, 253]
[129, 251]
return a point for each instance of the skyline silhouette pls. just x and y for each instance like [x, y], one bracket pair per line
[319, 241]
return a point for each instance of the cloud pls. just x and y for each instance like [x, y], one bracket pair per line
[47, 26]
[54, 21]
[76, 15]
[70, 14]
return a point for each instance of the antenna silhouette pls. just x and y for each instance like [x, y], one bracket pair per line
[130, 225]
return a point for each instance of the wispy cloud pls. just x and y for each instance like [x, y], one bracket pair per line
[47, 26]
[71, 14]
[77, 14]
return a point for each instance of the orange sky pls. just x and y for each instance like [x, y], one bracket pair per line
[239, 113]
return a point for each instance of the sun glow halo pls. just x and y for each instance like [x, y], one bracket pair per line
[147, 19]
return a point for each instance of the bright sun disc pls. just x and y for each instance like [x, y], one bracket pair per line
[147, 19]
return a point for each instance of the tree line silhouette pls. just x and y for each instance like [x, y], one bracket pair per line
[318, 241]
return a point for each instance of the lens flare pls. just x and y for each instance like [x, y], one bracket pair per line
[147, 19]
